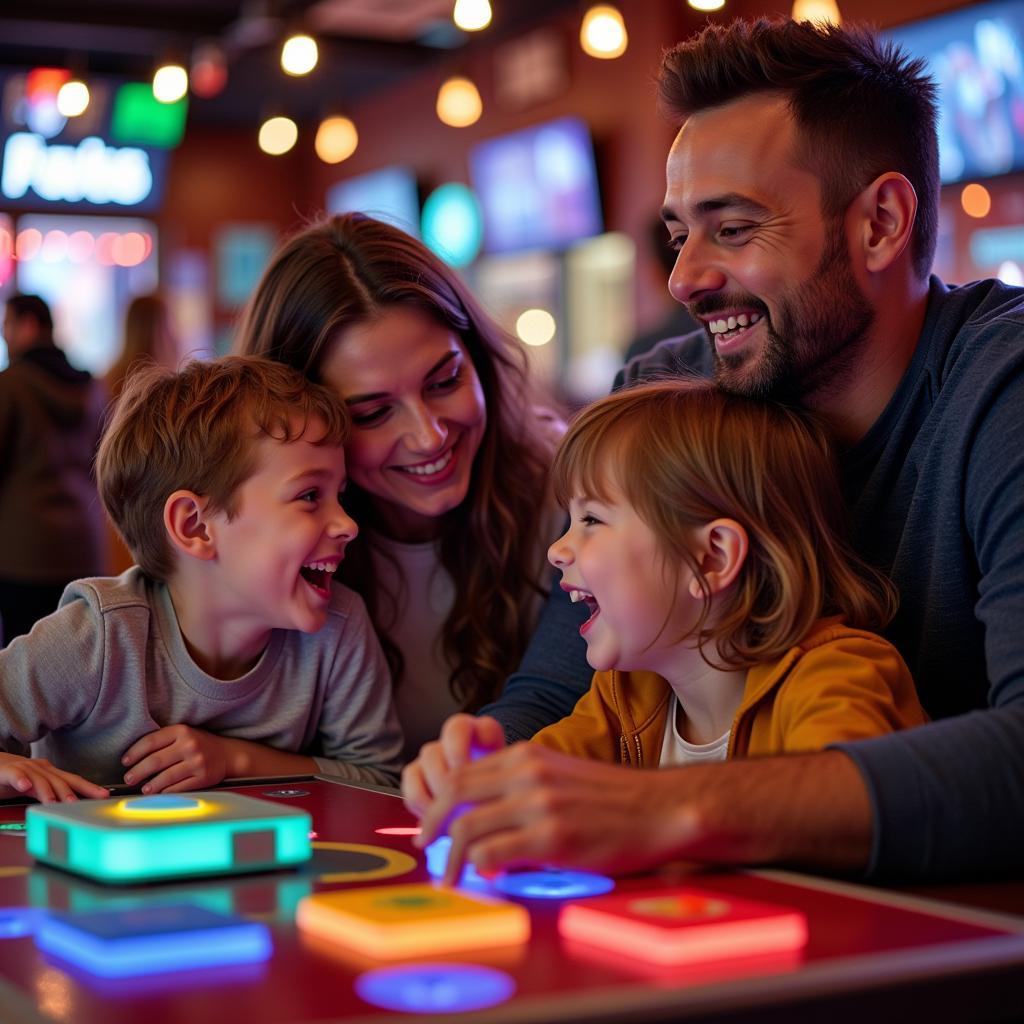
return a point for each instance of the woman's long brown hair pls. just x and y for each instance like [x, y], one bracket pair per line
[348, 270]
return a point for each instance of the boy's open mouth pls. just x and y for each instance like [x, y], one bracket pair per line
[319, 575]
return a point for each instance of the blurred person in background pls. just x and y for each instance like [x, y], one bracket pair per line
[51, 522]
[149, 335]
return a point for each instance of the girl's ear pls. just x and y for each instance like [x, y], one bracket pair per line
[721, 548]
[185, 522]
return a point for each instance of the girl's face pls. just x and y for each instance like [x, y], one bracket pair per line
[613, 561]
[418, 417]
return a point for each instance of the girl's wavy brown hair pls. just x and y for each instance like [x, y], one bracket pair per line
[683, 453]
[351, 269]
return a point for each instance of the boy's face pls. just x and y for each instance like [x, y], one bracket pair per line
[277, 555]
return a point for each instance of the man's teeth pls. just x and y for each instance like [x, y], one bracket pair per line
[731, 323]
[431, 467]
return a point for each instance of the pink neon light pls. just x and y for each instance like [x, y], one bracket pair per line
[398, 830]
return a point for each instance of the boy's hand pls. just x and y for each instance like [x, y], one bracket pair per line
[463, 738]
[176, 758]
[35, 776]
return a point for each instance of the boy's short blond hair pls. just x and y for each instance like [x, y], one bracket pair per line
[683, 453]
[195, 429]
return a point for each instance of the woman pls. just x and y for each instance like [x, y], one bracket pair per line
[447, 460]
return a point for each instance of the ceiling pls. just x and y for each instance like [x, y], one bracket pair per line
[365, 45]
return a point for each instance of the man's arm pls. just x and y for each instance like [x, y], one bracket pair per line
[553, 674]
[529, 805]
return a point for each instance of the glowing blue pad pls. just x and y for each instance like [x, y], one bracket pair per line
[553, 884]
[434, 988]
[151, 939]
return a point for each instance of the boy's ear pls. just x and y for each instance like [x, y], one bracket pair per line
[185, 522]
[721, 549]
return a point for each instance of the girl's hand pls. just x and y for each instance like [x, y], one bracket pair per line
[35, 776]
[176, 758]
[463, 738]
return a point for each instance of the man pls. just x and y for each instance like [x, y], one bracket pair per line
[51, 523]
[802, 196]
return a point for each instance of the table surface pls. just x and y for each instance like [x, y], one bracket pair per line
[871, 952]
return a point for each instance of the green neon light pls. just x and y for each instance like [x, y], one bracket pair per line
[139, 119]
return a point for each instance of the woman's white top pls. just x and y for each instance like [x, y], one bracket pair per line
[425, 593]
[677, 751]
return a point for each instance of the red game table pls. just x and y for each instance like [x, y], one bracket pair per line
[871, 953]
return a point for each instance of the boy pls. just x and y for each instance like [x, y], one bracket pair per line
[225, 651]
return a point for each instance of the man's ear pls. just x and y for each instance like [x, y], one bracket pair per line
[886, 212]
[185, 520]
[721, 548]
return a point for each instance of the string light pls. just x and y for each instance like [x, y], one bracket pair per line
[459, 103]
[472, 15]
[299, 54]
[278, 135]
[603, 32]
[170, 83]
[821, 12]
[706, 5]
[336, 139]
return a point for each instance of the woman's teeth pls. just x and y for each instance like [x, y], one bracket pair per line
[430, 468]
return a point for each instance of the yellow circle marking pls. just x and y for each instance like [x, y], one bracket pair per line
[9, 872]
[129, 808]
[396, 863]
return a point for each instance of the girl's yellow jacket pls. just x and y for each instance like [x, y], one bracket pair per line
[838, 684]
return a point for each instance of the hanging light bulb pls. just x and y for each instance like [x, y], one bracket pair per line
[299, 54]
[472, 15]
[73, 98]
[170, 83]
[603, 32]
[459, 103]
[706, 5]
[336, 139]
[821, 12]
[278, 135]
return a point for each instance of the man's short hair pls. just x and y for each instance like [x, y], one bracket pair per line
[34, 306]
[195, 429]
[861, 106]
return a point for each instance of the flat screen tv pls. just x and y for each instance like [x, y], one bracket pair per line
[976, 55]
[537, 187]
[389, 194]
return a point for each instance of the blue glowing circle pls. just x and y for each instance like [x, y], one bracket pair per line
[553, 884]
[160, 803]
[434, 987]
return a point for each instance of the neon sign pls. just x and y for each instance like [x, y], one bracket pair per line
[91, 172]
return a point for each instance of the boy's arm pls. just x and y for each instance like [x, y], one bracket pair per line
[49, 679]
[358, 729]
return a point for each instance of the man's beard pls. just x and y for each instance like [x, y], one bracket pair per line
[811, 348]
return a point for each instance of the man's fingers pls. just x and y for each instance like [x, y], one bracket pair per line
[414, 791]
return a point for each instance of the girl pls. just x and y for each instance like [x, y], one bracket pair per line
[728, 616]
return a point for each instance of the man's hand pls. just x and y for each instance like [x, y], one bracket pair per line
[463, 738]
[528, 805]
[176, 758]
[35, 776]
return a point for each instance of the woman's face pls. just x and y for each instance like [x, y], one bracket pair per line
[418, 417]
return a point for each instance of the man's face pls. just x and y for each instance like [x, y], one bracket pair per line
[759, 265]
